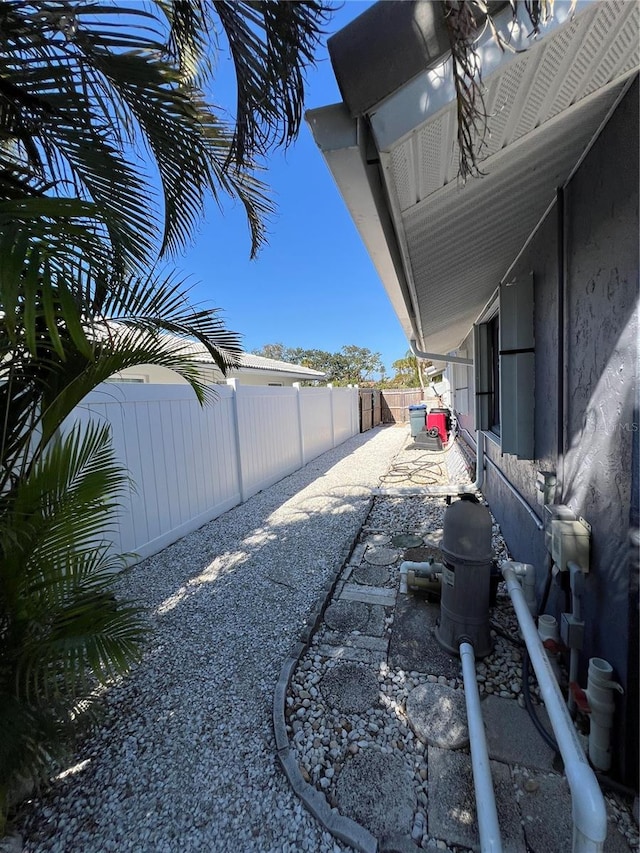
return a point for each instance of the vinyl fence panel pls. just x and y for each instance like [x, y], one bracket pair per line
[345, 414]
[189, 464]
[316, 421]
[181, 459]
[269, 435]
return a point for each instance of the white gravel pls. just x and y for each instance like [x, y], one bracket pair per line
[185, 758]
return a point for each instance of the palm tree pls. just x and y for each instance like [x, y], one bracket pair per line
[408, 371]
[95, 99]
[58, 498]
[88, 90]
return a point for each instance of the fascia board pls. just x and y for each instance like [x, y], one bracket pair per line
[340, 139]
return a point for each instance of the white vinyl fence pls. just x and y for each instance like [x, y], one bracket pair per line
[189, 464]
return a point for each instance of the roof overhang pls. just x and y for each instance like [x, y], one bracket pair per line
[441, 247]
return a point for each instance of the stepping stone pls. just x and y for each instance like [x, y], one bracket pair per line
[371, 595]
[437, 714]
[350, 688]
[371, 575]
[347, 616]
[380, 556]
[378, 539]
[406, 540]
[545, 803]
[434, 538]
[376, 790]
[351, 653]
[452, 813]
[375, 625]
[423, 554]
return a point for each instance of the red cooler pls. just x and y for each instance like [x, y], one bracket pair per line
[439, 419]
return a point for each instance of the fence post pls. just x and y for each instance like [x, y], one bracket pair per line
[356, 412]
[303, 458]
[352, 405]
[333, 425]
[233, 383]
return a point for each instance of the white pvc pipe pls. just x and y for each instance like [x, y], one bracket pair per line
[599, 686]
[429, 568]
[487, 814]
[587, 803]
[528, 574]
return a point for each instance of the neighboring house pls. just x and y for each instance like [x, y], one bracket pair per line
[253, 370]
[530, 273]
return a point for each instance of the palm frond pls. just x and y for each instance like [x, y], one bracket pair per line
[61, 629]
[464, 20]
[271, 44]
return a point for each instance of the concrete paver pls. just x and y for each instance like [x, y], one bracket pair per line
[512, 737]
[452, 804]
[413, 645]
[375, 790]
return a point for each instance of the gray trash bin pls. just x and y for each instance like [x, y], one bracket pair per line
[417, 418]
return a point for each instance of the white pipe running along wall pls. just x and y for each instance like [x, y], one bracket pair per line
[488, 827]
[587, 803]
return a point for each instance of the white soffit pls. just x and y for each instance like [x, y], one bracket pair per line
[545, 105]
[441, 248]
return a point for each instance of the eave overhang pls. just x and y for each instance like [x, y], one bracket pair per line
[441, 247]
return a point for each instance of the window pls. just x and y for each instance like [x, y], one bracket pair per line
[505, 368]
[487, 367]
[461, 382]
[494, 366]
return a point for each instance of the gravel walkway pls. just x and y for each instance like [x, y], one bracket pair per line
[185, 758]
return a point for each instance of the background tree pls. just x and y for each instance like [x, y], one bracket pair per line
[276, 351]
[350, 365]
[408, 372]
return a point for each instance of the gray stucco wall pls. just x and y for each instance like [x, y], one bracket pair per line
[601, 332]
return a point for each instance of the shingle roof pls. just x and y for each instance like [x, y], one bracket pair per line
[249, 361]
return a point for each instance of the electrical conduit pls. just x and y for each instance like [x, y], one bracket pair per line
[488, 827]
[588, 808]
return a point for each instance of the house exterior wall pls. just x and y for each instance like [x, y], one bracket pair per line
[600, 417]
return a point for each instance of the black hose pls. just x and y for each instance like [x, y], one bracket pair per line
[547, 738]
[547, 585]
[497, 627]
[616, 787]
[526, 692]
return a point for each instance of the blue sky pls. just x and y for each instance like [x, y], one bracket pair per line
[313, 286]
